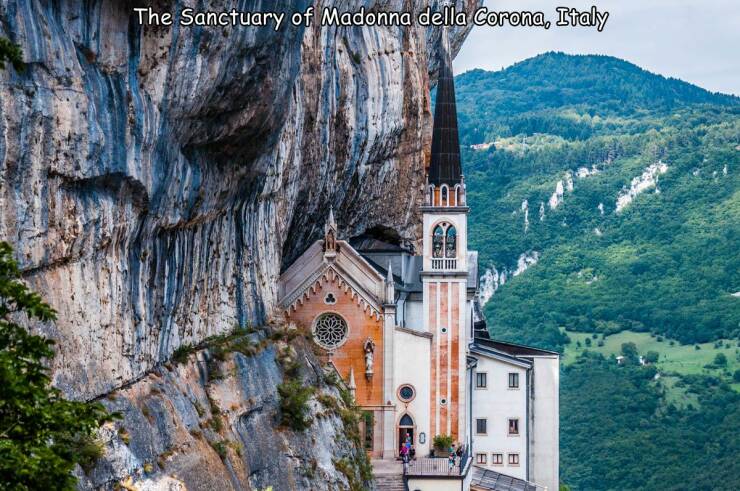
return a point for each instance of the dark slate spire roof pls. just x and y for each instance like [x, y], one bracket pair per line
[445, 165]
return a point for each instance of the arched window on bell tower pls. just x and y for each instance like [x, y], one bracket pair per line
[451, 242]
[444, 246]
[438, 239]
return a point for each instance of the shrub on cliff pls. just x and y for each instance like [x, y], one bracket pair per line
[10, 52]
[294, 405]
[42, 435]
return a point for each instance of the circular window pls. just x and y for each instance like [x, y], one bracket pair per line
[443, 401]
[330, 331]
[444, 330]
[406, 393]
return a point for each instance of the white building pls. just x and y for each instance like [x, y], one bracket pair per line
[514, 413]
[405, 333]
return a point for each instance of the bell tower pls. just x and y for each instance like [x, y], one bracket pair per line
[445, 262]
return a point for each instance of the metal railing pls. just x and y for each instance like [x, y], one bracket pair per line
[438, 466]
[444, 264]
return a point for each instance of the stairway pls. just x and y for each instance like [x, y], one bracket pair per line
[390, 482]
[388, 475]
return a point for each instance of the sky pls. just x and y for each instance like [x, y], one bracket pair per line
[695, 40]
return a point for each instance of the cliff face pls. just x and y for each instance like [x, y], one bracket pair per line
[201, 423]
[155, 180]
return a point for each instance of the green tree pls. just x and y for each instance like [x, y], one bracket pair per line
[42, 435]
[12, 53]
[652, 356]
[720, 360]
[629, 350]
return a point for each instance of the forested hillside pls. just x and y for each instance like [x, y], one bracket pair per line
[606, 199]
[623, 185]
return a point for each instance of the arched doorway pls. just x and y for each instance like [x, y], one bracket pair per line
[405, 427]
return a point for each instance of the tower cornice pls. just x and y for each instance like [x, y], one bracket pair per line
[445, 209]
[456, 274]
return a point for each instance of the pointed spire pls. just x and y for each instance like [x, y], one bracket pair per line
[331, 223]
[330, 236]
[445, 165]
[390, 286]
[351, 385]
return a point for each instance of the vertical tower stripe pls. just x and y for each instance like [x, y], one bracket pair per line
[432, 287]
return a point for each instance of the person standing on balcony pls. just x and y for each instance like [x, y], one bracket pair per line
[405, 458]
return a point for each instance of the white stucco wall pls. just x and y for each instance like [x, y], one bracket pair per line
[437, 484]
[498, 403]
[411, 366]
[415, 314]
[546, 427]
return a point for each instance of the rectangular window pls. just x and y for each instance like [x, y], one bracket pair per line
[497, 459]
[513, 426]
[481, 426]
[513, 459]
[513, 380]
[480, 458]
[367, 425]
[481, 380]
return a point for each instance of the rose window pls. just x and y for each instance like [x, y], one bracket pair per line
[406, 393]
[330, 331]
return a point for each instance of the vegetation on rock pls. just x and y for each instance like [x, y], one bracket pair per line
[294, 409]
[10, 52]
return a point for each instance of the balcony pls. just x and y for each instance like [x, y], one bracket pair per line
[436, 466]
[444, 264]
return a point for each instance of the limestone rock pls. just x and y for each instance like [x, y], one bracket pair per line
[155, 180]
[167, 439]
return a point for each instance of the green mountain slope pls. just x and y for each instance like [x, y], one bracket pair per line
[520, 99]
[664, 260]
[608, 200]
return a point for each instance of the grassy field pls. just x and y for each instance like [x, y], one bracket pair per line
[676, 393]
[674, 358]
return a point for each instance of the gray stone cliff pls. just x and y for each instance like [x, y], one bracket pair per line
[154, 180]
[201, 423]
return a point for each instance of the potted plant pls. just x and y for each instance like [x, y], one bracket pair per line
[442, 444]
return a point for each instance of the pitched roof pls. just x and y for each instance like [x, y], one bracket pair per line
[384, 271]
[348, 268]
[495, 481]
[445, 165]
[365, 243]
[512, 348]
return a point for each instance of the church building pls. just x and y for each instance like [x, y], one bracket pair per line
[405, 333]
